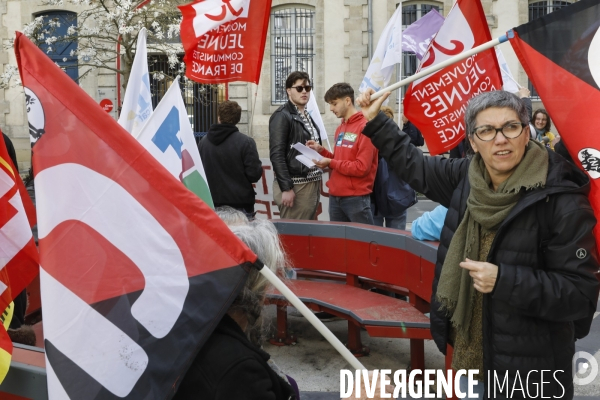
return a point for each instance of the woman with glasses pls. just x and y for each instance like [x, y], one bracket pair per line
[515, 281]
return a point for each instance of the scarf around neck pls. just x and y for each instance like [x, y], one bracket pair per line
[539, 133]
[486, 210]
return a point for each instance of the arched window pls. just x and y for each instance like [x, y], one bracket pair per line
[538, 9]
[56, 24]
[411, 13]
[292, 47]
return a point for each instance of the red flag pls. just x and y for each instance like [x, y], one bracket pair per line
[436, 104]
[136, 269]
[18, 255]
[560, 53]
[224, 40]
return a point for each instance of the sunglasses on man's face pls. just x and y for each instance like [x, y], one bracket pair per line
[299, 89]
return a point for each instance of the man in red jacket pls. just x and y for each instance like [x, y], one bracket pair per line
[354, 164]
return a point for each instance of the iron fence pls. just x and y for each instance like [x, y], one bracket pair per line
[200, 100]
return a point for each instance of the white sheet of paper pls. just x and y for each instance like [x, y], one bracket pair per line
[305, 160]
[307, 152]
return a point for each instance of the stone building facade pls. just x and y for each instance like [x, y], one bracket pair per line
[330, 38]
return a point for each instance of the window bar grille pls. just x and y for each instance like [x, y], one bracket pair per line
[292, 47]
[200, 100]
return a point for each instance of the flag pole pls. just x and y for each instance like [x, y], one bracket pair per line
[437, 67]
[310, 316]
[513, 79]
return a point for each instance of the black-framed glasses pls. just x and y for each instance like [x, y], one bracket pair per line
[511, 130]
[299, 89]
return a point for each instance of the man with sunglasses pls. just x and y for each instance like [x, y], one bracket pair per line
[296, 187]
[514, 282]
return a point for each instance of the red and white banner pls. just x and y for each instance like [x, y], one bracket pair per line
[224, 40]
[19, 262]
[436, 104]
[136, 269]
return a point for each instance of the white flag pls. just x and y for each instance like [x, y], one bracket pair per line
[508, 82]
[137, 105]
[313, 110]
[387, 54]
[169, 138]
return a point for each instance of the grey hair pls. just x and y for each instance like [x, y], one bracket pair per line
[499, 99]
[262, 238]
[231, 216]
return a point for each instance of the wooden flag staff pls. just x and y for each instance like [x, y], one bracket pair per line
[310, 316]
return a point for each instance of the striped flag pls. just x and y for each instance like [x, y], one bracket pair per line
[137, 105]
[18, 255]
[169, 138]
[136, 271]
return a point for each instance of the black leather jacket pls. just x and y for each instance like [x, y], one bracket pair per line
[287, 128]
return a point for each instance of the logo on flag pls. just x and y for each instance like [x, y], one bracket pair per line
[35, 116]
[590, 161]
[436, 103]
[212, 13]
[169, 138]
[136, 271]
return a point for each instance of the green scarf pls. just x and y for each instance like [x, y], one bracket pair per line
[486, 210]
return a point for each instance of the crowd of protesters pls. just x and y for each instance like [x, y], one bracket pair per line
[515, 280]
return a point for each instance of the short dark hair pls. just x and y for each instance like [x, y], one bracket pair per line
[339, 91]
[294, 76]
[548, 125]
[229, 112]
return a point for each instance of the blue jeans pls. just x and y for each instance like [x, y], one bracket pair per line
[351, 209]
[392, 222]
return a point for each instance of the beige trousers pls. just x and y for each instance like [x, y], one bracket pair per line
[305, 202]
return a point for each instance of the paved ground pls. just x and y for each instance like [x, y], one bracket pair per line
[316, 365]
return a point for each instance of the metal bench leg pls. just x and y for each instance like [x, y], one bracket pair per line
[354, 343]
[282, 338]
[417, 354]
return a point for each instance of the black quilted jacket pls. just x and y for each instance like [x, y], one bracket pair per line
[546, 291]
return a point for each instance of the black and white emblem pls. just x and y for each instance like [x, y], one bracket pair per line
[581, 253]
[35, 115]
[590, 160]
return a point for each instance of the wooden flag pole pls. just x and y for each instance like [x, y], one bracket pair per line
[310, 316]
[437, 67]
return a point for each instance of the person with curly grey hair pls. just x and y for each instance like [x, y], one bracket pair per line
[514, 283]
[231, 365]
